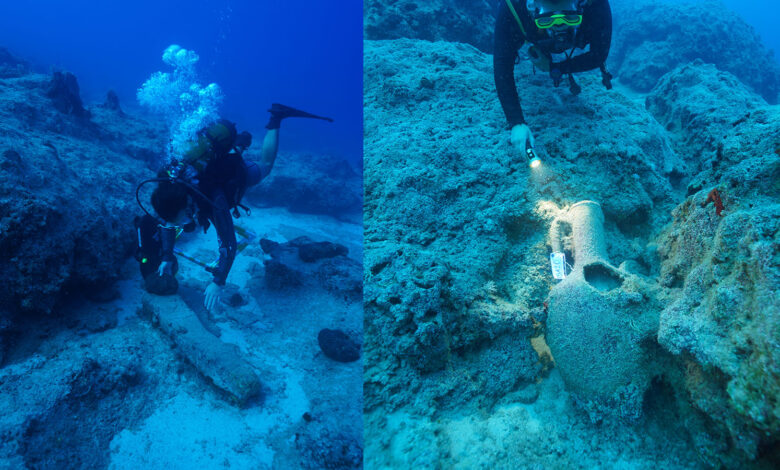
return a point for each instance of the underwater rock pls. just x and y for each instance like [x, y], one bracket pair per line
[269, 246]
[312, 184]
[528, 394]
[100, 384]
[161, 285]
[293, 263]
[100, 323]
[314, 251]
[329, 450]
[68, 404]
[5, 325]
[112, 102]
[234, 298]
[723, 318]
[12, 162]
[455, 222]
[338, 346]
[433, 20]
[649, 42]
[11, 66]
[341, 275]
[284, 270]
[64, 218]
[103, 293]
[719, 267]
[718, 121]
[501, 366]
[280, 276]
[64, 93]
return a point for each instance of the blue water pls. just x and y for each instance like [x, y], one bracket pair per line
[303, 54]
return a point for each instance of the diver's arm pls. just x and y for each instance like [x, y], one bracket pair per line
[167, 240]
[600, 41]
[507, 40]
[223, 222]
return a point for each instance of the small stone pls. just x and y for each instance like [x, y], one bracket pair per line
[338, 346]
[161, 285]
[311, 252]
[529, 394]
[236, 300]
[112, 102]
[280, 276]
[64, 93]
[103, 294]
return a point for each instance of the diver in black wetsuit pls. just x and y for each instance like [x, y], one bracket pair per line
[204, 185]
[551, 27]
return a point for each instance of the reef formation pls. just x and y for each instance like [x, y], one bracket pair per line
[647, 42]
[650, 40]
[456, 270]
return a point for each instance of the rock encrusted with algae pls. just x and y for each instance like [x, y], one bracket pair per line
[65, 186]
[651, 38]
[312, 184]
[470, 22]
[456, 258]
[62, 411]
[723, 322]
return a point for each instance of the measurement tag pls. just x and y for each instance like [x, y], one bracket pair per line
[558, 264]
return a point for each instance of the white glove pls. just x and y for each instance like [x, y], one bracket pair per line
[521, 135]
[165, 267]
[213, 292]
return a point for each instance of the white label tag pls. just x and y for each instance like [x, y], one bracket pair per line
[558, 264]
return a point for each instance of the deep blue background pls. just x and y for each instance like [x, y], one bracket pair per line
[306, 54]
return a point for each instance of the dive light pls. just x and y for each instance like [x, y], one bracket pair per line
[533, 160]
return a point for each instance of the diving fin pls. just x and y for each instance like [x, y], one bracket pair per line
[280, 111]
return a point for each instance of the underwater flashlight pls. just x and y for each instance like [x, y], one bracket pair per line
[533, 160]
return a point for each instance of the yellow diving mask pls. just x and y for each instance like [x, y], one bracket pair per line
[566, 18]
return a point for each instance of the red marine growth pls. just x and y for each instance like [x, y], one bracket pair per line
[714, 196]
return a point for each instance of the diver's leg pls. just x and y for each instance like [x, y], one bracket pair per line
[271, 140]
[270, 148]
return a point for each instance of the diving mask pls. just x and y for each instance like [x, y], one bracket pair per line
[566, 18]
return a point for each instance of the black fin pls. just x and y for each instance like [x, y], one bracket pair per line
[285, 111]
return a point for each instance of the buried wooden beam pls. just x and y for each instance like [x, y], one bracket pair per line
[222, 363]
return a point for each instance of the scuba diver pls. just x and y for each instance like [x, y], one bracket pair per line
[551, 27]
[201, 188]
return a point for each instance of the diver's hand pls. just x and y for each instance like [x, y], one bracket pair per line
[522, 138]
[213, 292]
[165, 268]
[540, 60]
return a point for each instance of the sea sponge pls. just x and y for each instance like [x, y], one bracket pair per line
[185, 104]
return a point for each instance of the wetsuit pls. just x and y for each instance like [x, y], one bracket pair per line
[595, 30]
[223, 181]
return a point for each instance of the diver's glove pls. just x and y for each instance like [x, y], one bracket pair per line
[213, 292]
[522, 138]
[166, 267]
[540, 60]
